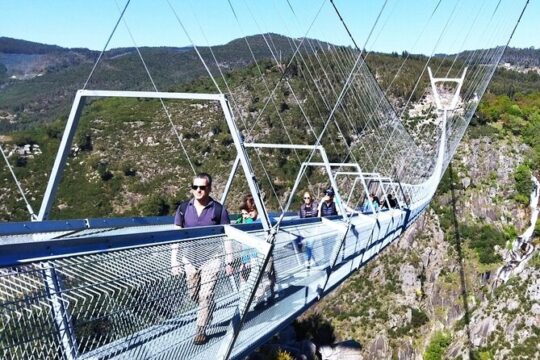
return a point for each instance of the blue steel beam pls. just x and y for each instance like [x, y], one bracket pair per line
[33, 227]
[27, 250]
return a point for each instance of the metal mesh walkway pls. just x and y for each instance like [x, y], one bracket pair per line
[137, 302]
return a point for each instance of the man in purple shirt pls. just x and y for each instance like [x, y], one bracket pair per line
[202, 259]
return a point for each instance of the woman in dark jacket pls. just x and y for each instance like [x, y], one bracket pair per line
[309, 208]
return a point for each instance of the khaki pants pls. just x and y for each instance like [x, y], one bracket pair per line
[201, 287]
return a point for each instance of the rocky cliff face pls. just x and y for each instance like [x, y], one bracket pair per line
[486, 167]
[430, 294]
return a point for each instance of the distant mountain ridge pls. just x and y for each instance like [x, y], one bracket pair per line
[517, 57]
[50, 74]
[37, 81]
[27, 58]
[16, 46]
[527, 57]
[12, 53]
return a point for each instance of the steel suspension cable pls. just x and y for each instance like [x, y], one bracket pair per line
[361, 103]
[107, 42]
[236, 107]
[423, 71]
[408, 54]
[477, 79]
[282, 78]
[345, 87]
[326, 76]
[310, 92]
[194, 46]
[462, 47]
[271, 97]
[33, 216]
[452, 144]
[160, 99]
[350, 77]
[489, 74]
[290, 61]
[364, 64]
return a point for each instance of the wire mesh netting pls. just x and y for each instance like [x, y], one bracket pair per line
[105, 303]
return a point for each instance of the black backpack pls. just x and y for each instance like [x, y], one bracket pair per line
[216, 217]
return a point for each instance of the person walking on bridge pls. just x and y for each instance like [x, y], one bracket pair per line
[327, 206]
[203, 262]
[309, 208]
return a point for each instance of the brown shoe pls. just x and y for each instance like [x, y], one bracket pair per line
[200, 336]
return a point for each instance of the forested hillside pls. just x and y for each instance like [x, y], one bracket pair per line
[37, 81]
[125, 150]
[48, 76]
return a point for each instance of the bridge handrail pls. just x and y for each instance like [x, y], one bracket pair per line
[25, 251]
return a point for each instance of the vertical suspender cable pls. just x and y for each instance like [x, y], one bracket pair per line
[160, 100]
[107, 43]
[339, 100]
[194, 46]
[28, 206]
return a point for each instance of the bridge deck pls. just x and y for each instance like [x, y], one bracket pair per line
[109, 292]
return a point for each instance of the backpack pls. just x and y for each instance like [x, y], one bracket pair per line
[216, 217]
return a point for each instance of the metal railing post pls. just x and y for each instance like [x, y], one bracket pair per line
[62, 322]
[246, 164]
[61, 157]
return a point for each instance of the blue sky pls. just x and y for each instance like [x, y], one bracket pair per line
[403, 24]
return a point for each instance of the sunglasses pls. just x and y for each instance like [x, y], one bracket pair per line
[200, 187]
[307, 197]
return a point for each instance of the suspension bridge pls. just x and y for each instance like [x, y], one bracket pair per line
[103, 288]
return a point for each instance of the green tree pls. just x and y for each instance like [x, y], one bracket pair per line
[524, 184]
[437, 346]
[483, 240]
[54, 130]
[155, 205]
[418, 318]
